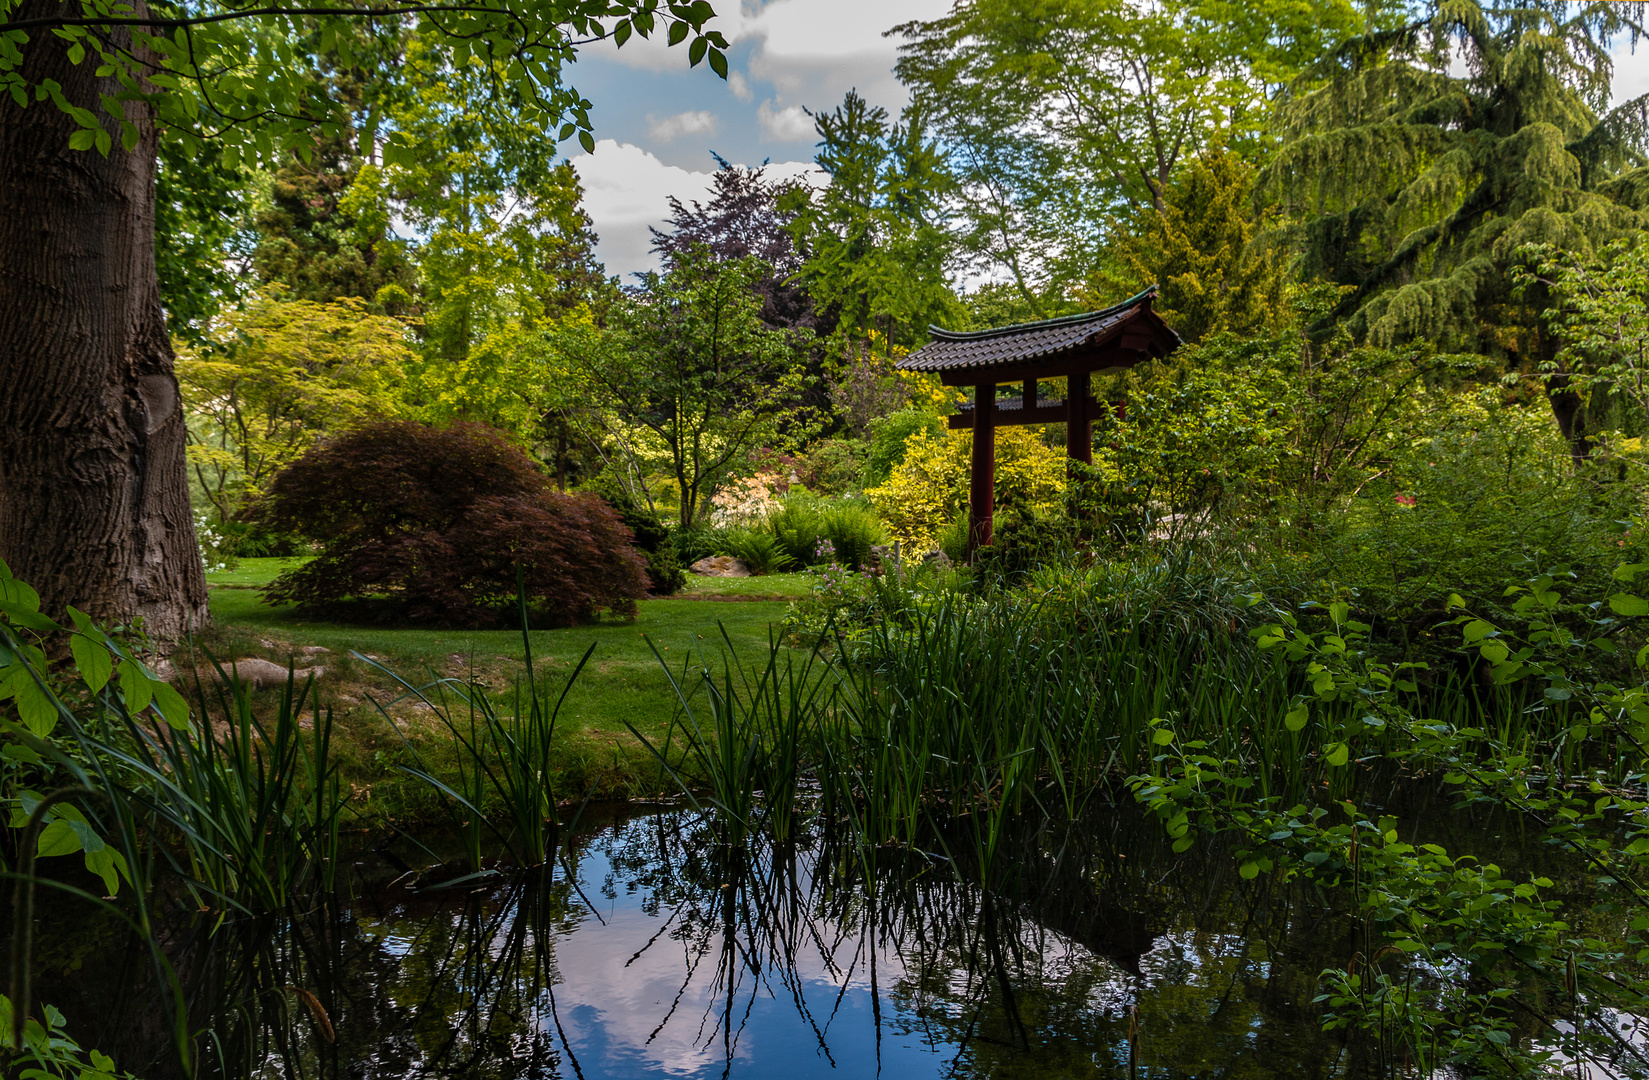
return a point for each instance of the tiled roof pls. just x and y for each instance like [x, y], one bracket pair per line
[951, 350]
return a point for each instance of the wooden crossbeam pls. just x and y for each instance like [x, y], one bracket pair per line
[1042, 414]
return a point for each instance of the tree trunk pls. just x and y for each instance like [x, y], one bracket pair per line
[94, 495]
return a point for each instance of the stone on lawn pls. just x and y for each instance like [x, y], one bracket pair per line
[264, 674]
[720, 566]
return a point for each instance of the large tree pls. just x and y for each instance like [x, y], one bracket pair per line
[1433, 155]
[1055, 114]
[94, 506]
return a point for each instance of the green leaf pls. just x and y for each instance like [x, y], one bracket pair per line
[36, 708]
[587, 141]
[718, 62]
[1339, 611]
[1162, 736]
[1249, 871]
[622, 32]
[1494, 652]
[1337, 754]
[82, 139]
[107, 863]
[91, 659]
[695, 54]
[58, 838]
[679, 32]
[136, 685]
[1477, 630]
[1628, 606]
[1296, 718]
[171, 704]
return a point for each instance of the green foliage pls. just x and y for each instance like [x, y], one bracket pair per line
[1197, 246]
[1055, 114]
[874, 239]
[760, 550]
[694, 380]
[1431, 157]
[925, 492]
[851, 529]
[1490, 493]
[833, 467]
[201, 66]
[889, 437]
[1600, 311]
[49, 1053]
[270, 377]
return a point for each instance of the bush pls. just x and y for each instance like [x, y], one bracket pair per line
[832, 467]
[851, 530]
[798, 526]
[757, 549]
[428, 524]
[888, 437]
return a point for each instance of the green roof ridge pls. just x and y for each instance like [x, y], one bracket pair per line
[941, 334]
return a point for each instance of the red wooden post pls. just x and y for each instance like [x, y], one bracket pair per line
[982, 485]
[1079, 440]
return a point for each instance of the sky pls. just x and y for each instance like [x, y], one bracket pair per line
[657, 122]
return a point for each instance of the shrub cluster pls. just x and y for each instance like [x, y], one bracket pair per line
[429, 524]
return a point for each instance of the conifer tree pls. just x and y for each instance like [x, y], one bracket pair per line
[1199, 249]
[1417, 179]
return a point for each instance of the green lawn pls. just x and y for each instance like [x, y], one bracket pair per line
[623, 683]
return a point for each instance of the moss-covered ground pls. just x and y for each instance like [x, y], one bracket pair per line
[623, 683]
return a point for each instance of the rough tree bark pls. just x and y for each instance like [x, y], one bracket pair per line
[94, 497]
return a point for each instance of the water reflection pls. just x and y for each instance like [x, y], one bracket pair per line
[654, 951]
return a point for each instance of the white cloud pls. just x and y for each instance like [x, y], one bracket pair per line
[789, 124]
[740, 87]
[626, 189]
[666, 129]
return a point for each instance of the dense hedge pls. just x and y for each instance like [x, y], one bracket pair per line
[427, 524]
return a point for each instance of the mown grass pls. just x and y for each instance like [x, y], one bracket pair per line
[622, 687]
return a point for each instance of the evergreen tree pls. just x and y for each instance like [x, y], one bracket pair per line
[1436, 152]
[1199, 248]
[313, 239]
[874, 240]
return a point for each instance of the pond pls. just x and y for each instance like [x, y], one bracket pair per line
[654, 951]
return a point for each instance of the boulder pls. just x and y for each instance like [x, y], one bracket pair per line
[264, 674]
[936, 558]
[720, 566]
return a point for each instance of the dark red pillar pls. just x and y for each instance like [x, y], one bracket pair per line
[1079, 441]
[982, 485]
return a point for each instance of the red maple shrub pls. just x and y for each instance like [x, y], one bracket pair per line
[428, 524]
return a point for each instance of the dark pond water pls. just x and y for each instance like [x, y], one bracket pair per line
[660, 954]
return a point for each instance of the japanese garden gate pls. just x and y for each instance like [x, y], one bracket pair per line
[1072, 347]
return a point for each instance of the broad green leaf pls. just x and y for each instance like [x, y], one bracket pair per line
[1249, 871]
[171, 704]
[58, 838]
[91, 659]
[1296, 718]
[1477, 630]
[1162, 736]
[136, 686]
[1337, 754]
[36, 708]
[1628, 606]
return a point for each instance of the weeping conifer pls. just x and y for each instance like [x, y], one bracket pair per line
[1428, 157]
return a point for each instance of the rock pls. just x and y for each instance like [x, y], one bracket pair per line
[263, 674]
[936, 558]
[314, 650]
[720, 566]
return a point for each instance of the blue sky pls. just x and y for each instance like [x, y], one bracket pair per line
[656, 121]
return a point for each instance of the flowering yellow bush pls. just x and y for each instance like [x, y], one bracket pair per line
[929, 488]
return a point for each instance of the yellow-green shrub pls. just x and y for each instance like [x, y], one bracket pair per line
[930, 486]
